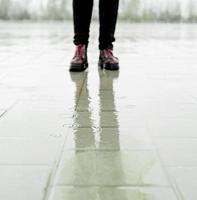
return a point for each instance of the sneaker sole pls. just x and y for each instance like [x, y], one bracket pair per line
[78, 68]
[107, 66]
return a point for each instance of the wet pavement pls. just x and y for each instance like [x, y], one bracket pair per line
[98, 135]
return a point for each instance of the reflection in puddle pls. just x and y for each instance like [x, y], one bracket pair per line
[84, 119]
[97, 160]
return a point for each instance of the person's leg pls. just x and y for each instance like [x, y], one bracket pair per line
[82, 13]
[108, 12]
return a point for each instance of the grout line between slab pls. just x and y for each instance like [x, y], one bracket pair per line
[54, 172]
[8, 109]
[112, 186]
[174, 187]
[24, 165]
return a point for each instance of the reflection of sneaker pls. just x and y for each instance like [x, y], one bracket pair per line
[79, 62]
[78, 77]
[109, 74]
[107, 60]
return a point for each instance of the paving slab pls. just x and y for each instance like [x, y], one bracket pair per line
[98, 135]
[95, 193]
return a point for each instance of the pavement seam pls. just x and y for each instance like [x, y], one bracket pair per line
[171, 181]
[8, 109]
[113, 186]
[52, 176]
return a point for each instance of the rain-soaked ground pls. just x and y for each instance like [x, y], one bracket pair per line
[98, 135]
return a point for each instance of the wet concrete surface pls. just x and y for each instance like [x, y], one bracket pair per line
[98, 135]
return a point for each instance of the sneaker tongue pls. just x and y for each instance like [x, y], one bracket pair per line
[109, 52]
[80, 51]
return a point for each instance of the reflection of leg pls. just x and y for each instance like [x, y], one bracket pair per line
[81, 167]
[109, 137]
[84, 136]
[111, 157]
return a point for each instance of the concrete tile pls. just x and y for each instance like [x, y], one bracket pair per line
[28, 151]
[108, 119]
[7, 101]
[32, 122]
[23, 182]
[108, 139]
[112, 168]
[107, 95]
[185, 110]
[178, 152]
[105, 105]
[173, 127]
[85, 119]
[102, 193]
[185, 179]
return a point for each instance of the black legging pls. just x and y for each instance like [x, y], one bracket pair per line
[82, 13]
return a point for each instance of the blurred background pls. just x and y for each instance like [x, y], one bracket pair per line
[132, 10]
